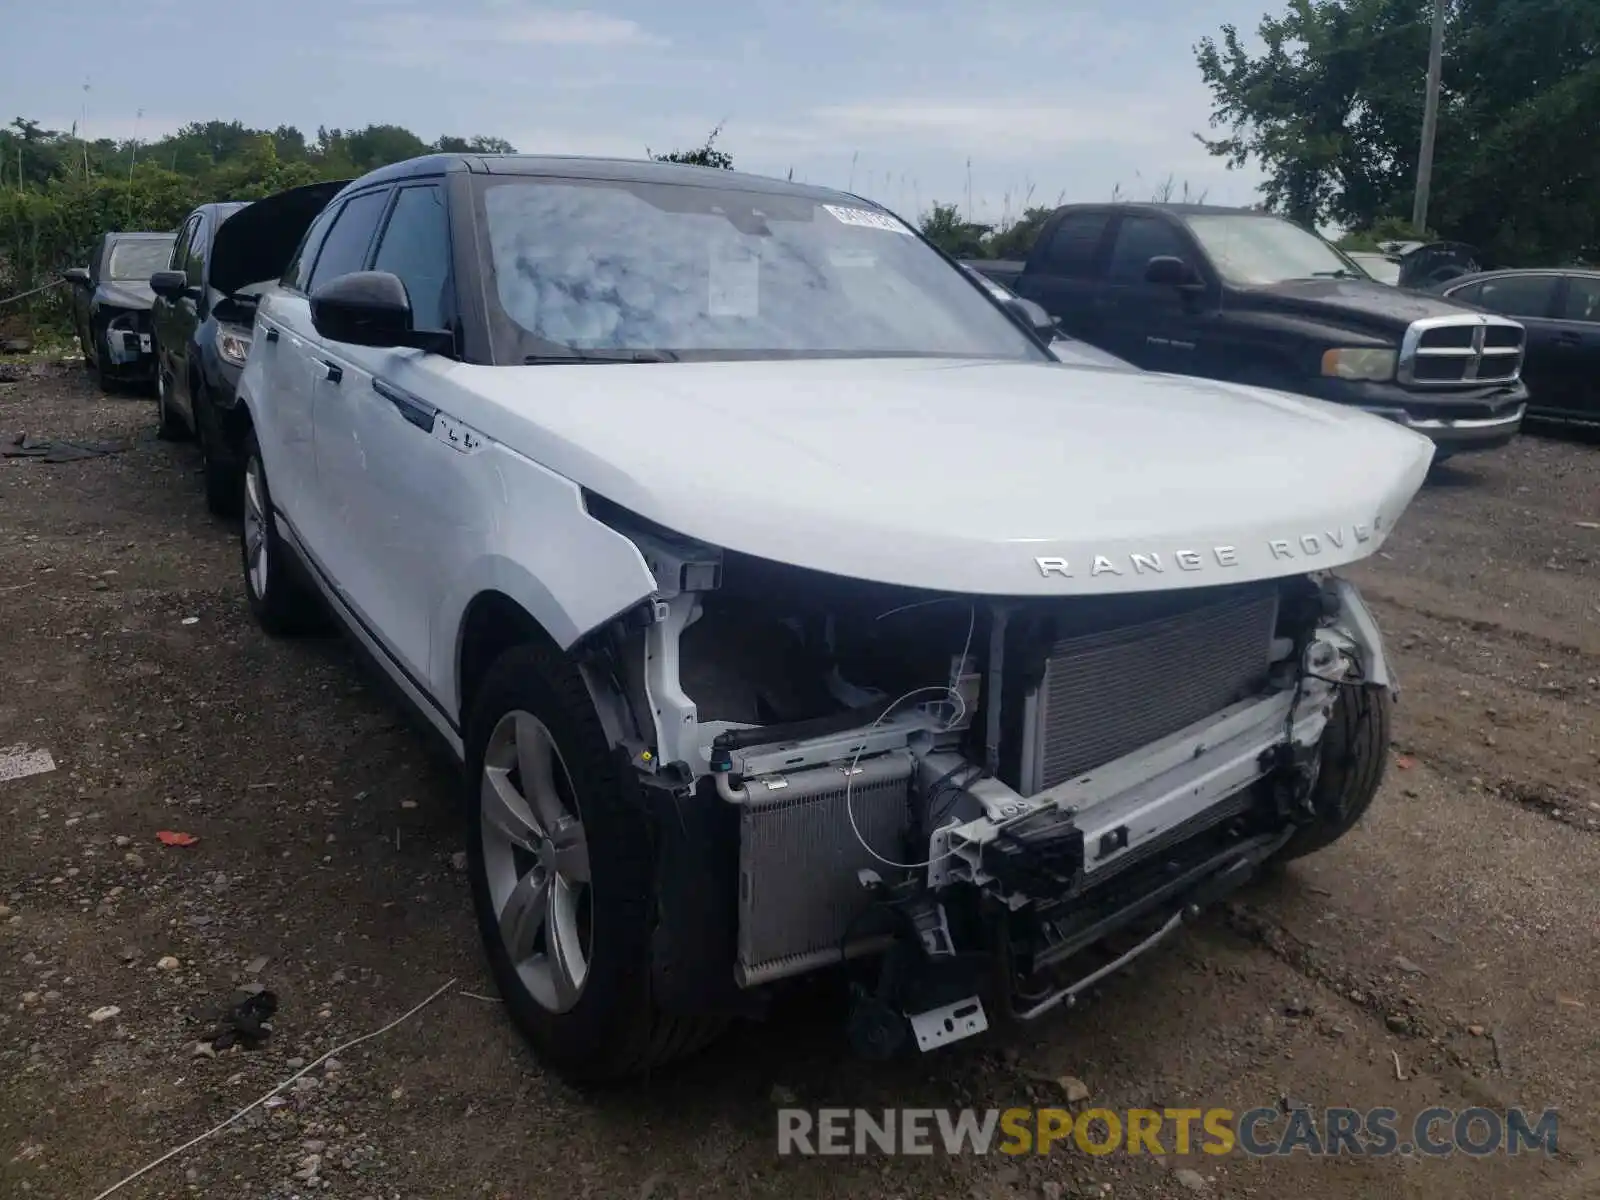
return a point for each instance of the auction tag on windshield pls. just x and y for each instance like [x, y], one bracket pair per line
[866, 218]
[734, 275]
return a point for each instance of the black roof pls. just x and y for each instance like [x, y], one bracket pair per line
[621, 170]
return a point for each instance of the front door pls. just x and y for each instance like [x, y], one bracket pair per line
[164, 312]
[187, 312]
[383, 450]
[1576, 351]
[1155, 326]
[1529, 297]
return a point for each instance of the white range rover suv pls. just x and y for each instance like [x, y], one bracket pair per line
[789, 605]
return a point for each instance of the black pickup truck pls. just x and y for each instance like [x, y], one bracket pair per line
[1246, 296]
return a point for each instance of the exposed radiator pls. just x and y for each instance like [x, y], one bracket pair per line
[798, 858]
[1106, 694]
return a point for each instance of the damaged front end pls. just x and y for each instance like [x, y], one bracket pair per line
[974, 791]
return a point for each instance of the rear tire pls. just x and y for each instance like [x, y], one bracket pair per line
[580, 995]
[282, 602]
[1355, 752]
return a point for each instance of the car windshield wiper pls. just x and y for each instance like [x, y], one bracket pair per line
[603, 356]
[1341, 273]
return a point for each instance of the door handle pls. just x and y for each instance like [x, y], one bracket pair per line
[272, 335]
[418, 412]
[335, 371]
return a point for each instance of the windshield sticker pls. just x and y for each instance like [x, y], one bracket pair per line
[734, 276]
[867, 219]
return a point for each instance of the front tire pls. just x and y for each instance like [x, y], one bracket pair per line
[1355, 751]
[223, 481]
[279, 599]
[169, 427]
[562, 870]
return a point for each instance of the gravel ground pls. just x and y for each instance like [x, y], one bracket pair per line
[1454, 933]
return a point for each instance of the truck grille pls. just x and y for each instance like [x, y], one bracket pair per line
[1107, 694]
[1464, 351]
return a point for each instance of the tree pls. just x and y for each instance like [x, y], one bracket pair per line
[1015, 240]
[702, 156]
[944, 227]
[1331, 109]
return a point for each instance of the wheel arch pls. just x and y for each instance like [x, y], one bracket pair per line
[491, 624]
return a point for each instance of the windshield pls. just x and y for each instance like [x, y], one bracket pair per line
[640, 270]
[138, 259]
[1253, 250]
[1381, 268]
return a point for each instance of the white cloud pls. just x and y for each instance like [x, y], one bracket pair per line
[427, 39]
[1014, 127]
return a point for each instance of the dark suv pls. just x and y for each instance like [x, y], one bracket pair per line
[205, 301]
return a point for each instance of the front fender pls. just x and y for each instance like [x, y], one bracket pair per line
[541, 549]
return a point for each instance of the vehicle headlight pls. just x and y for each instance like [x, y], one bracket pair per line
[233, 343]
[1353, 363]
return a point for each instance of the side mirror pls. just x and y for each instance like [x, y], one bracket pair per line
[76, 275]
[1030, 314]
[170, 284]
[363, 308]
[1167, 271]
[371, 308]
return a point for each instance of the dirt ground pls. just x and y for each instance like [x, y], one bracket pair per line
[1451, 939]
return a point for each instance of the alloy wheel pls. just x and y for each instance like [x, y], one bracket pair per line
[255, 529]
[536, 861]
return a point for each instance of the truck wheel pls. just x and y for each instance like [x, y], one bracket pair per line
[1355, 750]
[562, 872]
[279, 598]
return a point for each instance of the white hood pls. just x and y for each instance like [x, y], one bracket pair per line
[978, 477]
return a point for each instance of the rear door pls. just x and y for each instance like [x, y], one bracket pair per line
[280, 355]
[1156, 326]
[327, 373]
[1066, 272]
[1531, 297]
[1576, 352]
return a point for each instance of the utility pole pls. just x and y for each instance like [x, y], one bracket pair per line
[1430, 120]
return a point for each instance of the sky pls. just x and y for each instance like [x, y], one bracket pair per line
[1048, 100]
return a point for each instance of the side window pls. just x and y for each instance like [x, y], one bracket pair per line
[194, 258]
[180, 248]
[299, 269]
[1072, 248]
[1139, 239]
[1519, 295]
[1467, 295]
[1583, 299]
[416, 247]
[345, 248]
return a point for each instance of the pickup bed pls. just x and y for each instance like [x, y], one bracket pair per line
[1249, 297]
